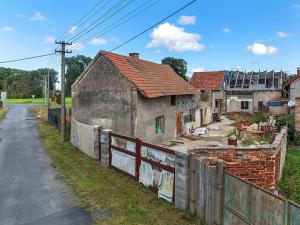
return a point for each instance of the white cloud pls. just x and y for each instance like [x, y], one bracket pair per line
[186, 20]
[157, 52]
[199, 69]
[72, 30]
[75, 47]
[261, 49]
[98, 41]
[49, 40]
[37, 16]
[226, 30]
[174, 39]
[281, 35]
[237, 67]
[8, 29]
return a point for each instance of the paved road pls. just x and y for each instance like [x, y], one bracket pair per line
[30, 192]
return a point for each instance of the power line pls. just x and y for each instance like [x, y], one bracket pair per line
[149, 28]
[116, 8]
[140, 9]
[83, 17]
[27, 58]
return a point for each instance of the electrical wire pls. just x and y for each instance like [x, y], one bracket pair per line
[27, 58]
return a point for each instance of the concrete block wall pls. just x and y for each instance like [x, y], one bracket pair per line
[85, 138]
[181, 180]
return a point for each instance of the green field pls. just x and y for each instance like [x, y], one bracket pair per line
[30, 101]
[99, 188]
[290, 181]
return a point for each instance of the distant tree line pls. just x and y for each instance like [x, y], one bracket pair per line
[22, 83]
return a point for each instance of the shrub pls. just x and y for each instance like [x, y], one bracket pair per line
[259, 117]
[289, 121]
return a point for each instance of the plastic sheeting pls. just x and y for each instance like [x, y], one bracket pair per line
[146, 174]
[166, 186]
[123, 162]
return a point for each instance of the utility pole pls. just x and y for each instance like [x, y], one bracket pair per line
[63, 91]
[48, 89]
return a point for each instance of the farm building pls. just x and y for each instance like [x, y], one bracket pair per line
[134, 97]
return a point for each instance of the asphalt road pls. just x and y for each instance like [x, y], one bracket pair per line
[30, 189]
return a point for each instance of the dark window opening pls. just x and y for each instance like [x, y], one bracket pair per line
[173, 100]
[245, 105]
[193, 115]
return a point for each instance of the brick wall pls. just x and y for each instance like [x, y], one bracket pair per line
[261, 165]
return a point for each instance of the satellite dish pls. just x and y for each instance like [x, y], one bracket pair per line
[291, 103]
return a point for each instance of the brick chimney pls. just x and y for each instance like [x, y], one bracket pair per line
[136, 55]
[298, 71]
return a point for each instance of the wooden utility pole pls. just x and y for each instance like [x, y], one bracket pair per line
[48, 89]
[63, 91]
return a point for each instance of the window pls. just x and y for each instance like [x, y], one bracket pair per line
[159, 124]
[193, 115]
[173, 100]
[244, 105]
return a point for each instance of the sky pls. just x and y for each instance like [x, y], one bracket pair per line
[209, 34]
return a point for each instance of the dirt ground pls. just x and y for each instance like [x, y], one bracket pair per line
[217, 135]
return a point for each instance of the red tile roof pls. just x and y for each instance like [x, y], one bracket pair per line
[151, 79]
[208, 80]
[290, 81]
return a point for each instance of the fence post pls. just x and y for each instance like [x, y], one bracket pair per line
[138, 159]
[192, 184]
[109, 149]
[286, 212]
[219, 192]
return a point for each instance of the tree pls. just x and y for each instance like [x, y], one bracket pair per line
[179, 65]
[75, 66]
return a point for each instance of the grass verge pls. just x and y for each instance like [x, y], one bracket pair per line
[105, 189]
[290, 181]
[3, 112]
[35, 101]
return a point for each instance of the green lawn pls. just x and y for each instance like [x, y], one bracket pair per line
[104, 188]
[30, 101]
[290, 181]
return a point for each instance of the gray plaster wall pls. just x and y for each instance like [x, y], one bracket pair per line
[86, 138]
[217, 95]
[104, 97]
[265, 97]
[234, 103]
[295, 90]
[149, 109]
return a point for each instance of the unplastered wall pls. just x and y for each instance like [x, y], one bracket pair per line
[261, 165]
[265, 97]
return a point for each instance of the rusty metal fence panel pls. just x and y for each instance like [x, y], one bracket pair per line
[152, 165]
[247, 204]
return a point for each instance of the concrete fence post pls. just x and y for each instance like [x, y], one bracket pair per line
[219, 192]
[104, 141]
[181, 180]
[193, 184]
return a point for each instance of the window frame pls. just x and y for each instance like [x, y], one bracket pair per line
[160, 123]
[245, 105]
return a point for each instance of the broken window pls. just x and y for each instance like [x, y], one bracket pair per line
[245, 105]
[173, 100]
[159, 124]
[193, 115]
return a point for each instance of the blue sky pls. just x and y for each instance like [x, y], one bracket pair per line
[209, 35]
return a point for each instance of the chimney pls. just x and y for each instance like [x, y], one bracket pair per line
[134, 55]
[298, 71]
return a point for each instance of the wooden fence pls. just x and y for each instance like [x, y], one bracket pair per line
[152, 165]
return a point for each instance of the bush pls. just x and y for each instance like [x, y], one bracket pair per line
[259, 117]
[289, 121]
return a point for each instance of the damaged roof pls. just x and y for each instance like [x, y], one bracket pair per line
[151, 79]
[208, 80]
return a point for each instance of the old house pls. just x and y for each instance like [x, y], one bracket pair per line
[211, 86]
[292, 87]
[134, 97]
[255, 91]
